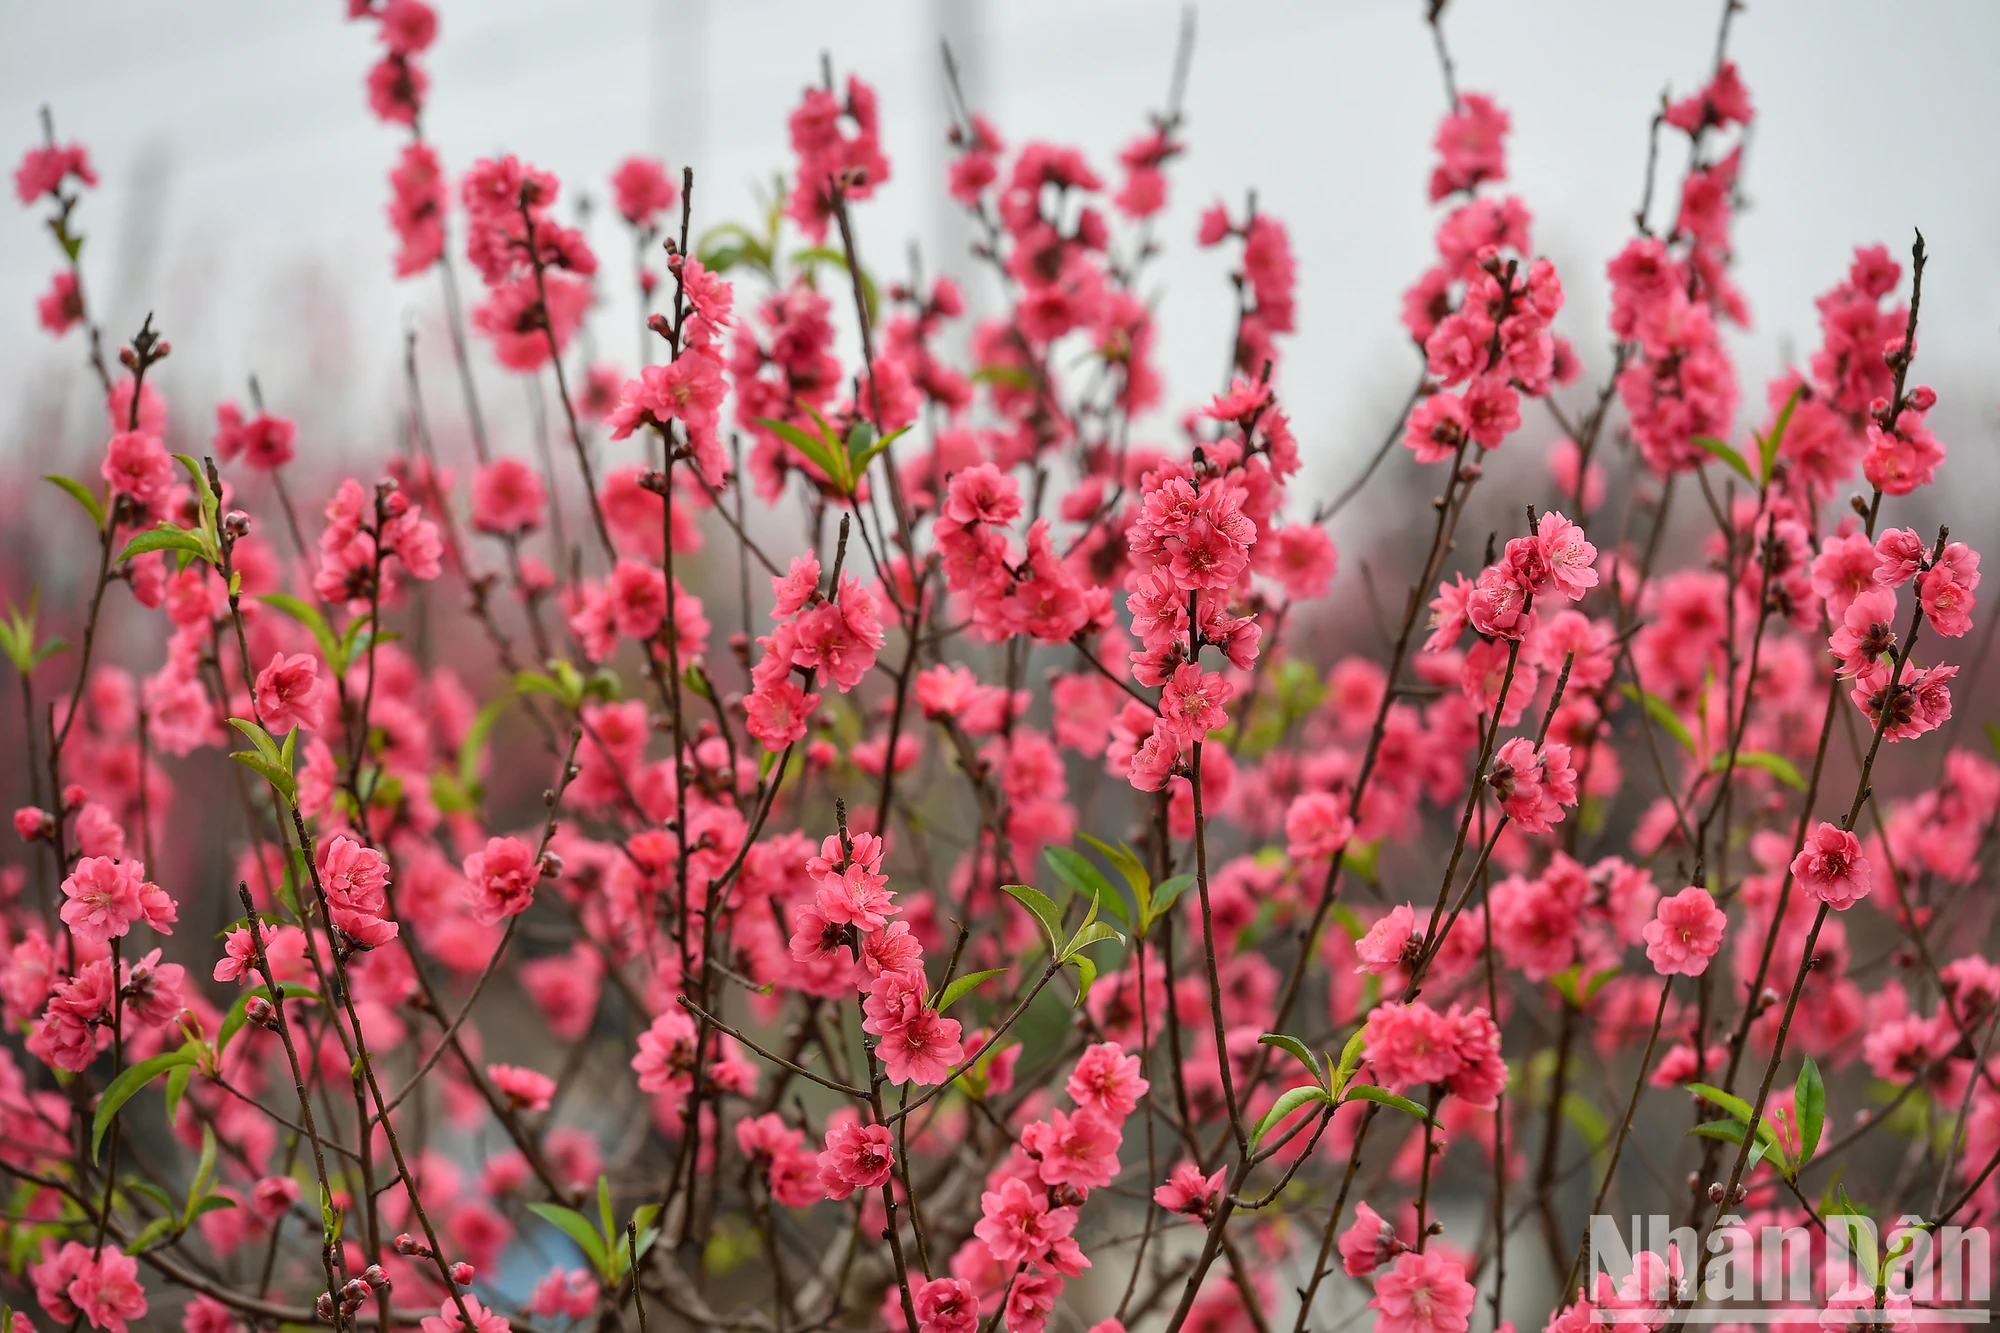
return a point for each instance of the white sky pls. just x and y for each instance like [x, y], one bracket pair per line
[244, 179]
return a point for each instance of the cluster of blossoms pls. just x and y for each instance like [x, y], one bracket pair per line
[531, 925]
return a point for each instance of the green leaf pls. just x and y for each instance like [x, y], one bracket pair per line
[166, 537]
[309, 615]
[820, 254]
[859, 462]
[210, 1203]
[1126, 863]
[1767, 446]
[823, 456]
[1164, 894]
[1039, 903]
[1281, 1110]
[1662, 713]
[1075, 870]
[474, 745]
[1086, 976]
[1588, 1120]
[1089, 933]
[605, 1226]
[126, 1086]
[197, 474]
[1350, 1059]
[1809, 1102]
[83, 495]
[1729, 1131]
[960, 985]
[1368, 1092]
[1363, 858]
[1295, 1048]
[572, 1224]
[329, 1217]
[151, 1232]
[177, 1083]
[204, 1173]
[280, 779]
[1728, 1101]
[1776, 765]
[258, 737]
[1726, 454]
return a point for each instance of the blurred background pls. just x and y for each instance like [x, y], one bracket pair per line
[244, 180]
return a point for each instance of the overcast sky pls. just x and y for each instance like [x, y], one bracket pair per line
[244, 180]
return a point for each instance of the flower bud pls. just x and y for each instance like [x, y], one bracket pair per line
[260, 1012]
[410, 1247]
[1715, 1192]
[324, 1307]
[551, 866]
[375, 1276]
[237, 524]
[461, 1273]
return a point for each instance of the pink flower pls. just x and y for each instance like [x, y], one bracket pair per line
[1423, 1293]
[1020, 1227]
[288, 693]
[1533, 785]
[1946, 600]
[855, 1157]
[1190, 1193]
[917, 1044]
[1389, 942]
[1369, 1243]
[946, 1305]
[1832, 868]
[106, 1290]
[525, 1089]
[500, 881]
[60, 308]
[507, 496]
[272, 1196]
[1566, 555]
[1107, 1080]
[1686, 933]
[641, 191]
[665, 1061]
[852, 891]
[448, 1320]
[1409, 1044]
[1191, 704]
[1031, 1301]
[1080, 1151]
[1316, 826]
[104, 898]
[137, 464]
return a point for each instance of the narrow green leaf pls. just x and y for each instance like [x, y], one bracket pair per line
[177, 1083]
[1588, 1120]
[1164, 894]
[815, 450]
[123, 1088]
[1086, 976]
[1281, 1110]
[1729, 1131]
[1727, 455]
[960, 985]
[258, 737]
[1809, 1100]
[1295, 1048]
[151, 1232]
[283, 781]
[1075, 870]
[83, 495]
[166, 537]
[1350, 1059]
[474, 745]
[309, 615]
[1368, 1092]
[1039, 903]
[1091, 932]
[1776, 765]
[1662, 713]
[1767, 446]
[1728, 1101]
[572, 1224]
